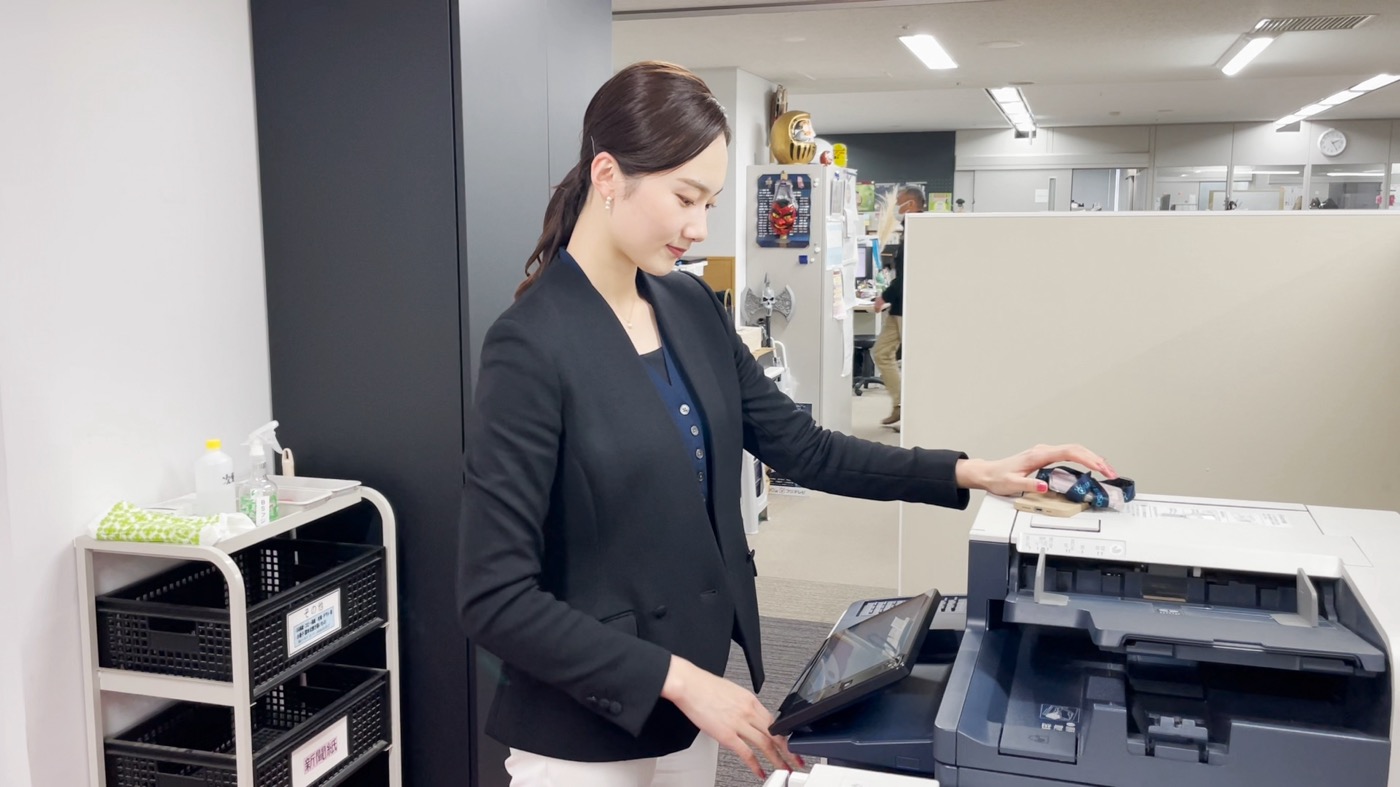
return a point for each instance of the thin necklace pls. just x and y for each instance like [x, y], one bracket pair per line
[631, 314]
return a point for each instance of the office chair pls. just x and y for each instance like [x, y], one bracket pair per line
[864, 373]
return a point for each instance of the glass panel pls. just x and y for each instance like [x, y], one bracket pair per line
[1191, 188]
[1347, 186]
[1268, 187]
[1103, 189]
[1394, 185]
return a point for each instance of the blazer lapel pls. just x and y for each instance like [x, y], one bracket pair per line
[614, 354]
[686, 343]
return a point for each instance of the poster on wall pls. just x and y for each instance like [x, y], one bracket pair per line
[784, 211]
[865, 196]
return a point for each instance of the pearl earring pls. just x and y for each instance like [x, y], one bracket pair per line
[607, 204]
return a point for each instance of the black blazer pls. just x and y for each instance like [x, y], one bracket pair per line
[588, 555]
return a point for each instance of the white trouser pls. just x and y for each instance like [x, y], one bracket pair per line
[692, 767]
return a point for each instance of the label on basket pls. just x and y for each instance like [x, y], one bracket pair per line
[313, 622]
[320, 755]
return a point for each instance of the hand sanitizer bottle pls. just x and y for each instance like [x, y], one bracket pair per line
[214, 490]
[257, 498]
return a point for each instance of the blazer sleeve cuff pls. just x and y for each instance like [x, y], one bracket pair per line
[629, 704]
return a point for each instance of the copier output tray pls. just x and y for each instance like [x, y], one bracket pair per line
[1255, 638]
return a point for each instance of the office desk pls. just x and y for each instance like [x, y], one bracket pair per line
[867, 320]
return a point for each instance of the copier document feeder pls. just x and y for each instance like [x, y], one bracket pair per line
[1181, 641]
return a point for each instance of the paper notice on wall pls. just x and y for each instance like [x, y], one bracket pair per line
[848, 349]
[1225, 515]
[835, 240]
[838, 296]
[1042, 196]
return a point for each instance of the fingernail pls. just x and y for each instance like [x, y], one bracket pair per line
[801, 761]
[1041, 486]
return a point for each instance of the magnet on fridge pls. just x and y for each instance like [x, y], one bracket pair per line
[802, 259]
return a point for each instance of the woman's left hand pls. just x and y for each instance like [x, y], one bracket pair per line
[1016, 474]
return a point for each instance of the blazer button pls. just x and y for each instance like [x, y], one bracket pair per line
[659, 612]
[591, 700]
[615, 708]
[685, 409]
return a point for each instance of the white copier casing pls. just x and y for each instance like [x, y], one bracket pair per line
[1217, 643]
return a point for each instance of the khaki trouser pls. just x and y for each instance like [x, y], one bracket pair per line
[884, 351]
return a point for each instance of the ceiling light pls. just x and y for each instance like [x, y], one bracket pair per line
[926, 48]
[1376, 82]
[1276, 172]
[1244, 50]
[1005, 95]
[1341, 98]
[1375, 174]
[1011, 103]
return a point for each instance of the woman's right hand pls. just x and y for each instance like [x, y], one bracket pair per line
[728, 713]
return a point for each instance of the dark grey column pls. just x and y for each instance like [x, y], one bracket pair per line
[358, 165]
[406, 152]
[529, 68]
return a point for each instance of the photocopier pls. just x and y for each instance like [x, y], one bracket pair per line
[1179, 641]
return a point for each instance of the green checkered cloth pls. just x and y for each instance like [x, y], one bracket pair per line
[127, 522]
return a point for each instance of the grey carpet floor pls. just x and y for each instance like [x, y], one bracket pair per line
[787, 647]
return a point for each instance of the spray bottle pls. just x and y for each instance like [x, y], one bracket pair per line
[257, 497]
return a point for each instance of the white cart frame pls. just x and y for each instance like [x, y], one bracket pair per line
[236, 694]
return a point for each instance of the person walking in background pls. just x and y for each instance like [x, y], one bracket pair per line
[886, 350]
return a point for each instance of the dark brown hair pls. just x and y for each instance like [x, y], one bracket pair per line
[652, 117]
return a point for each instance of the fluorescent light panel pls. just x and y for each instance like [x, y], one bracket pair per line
[1341, 98]
[1251, 50]
[1336, 99]
[1012, 105]
[1376, 82]
[926, 48]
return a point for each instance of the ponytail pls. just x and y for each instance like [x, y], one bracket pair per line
[652, 117]
[565, 205]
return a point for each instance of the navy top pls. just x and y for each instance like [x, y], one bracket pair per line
[680, 403]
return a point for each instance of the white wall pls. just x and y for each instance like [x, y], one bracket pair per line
[746, 98]
[1149, 147]
[14, 754]
[132, 316]
[1097, 146]
[1248, 355]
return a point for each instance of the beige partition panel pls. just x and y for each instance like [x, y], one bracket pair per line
[1240, 355]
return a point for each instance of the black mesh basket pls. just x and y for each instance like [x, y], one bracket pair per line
[325, 725]
[306, 599]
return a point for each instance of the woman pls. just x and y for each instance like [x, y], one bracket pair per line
[603, 555]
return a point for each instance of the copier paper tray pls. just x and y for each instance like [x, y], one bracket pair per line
[1292, 640]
